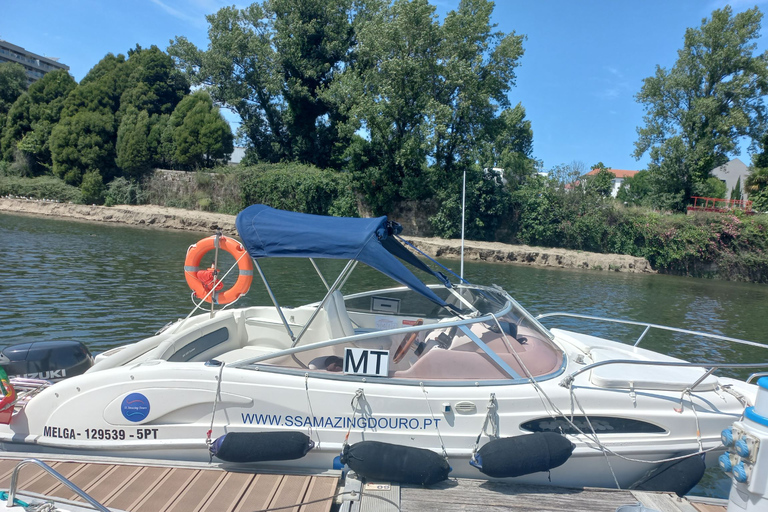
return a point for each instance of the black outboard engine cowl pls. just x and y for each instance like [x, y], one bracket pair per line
[49, 360]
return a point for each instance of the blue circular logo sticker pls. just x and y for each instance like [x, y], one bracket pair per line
[135, 407]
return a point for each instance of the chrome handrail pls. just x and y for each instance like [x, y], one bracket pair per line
[655, 326]
[756, 375]
[45, 467]
[568, 380]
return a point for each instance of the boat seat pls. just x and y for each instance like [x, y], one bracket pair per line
[441, 364]
[339, 324]
[246, 352]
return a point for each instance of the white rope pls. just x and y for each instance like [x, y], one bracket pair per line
[593, 437]
[355, 402]
[490, 417]
[309, 406]
[213, 412]
[434, 422]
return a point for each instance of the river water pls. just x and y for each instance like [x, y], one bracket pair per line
[107, 285]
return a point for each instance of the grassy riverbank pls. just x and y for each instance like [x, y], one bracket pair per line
[725, 246]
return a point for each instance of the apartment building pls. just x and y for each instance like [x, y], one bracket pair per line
[35, 65]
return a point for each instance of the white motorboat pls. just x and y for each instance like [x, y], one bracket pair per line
[396, 380]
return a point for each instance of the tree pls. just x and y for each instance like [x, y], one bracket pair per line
[421, 93]
[636, 191]
[696, 112]
[83, 143]
[92, 188]
[756, 186]
[388, 94]
[13, 83]
[736, 192]
[132, 148]
[270, 62]
[477, 71]
[154, 84]
[201, 136]
[600, 183]
[31, 119]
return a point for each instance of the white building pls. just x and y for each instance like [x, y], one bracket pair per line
[730, 173]
[35, 65]
[620, 174]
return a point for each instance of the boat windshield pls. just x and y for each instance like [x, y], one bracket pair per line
[397, 334]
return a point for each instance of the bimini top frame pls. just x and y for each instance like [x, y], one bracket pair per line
[270, 233]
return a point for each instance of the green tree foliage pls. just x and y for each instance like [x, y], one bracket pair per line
[160, 140]
[382, 89]
[13, 83]
[756, 186]
[696, 112]
[107, 121]
[389, 94]
[601, 183]
[83, 143]
[487, 202]
[736, 194]
[123, 191]
[132, 148]
[155, 85]
[32, 118]
[201, 136]
[92, 188]
[270, 62]
[422, 93]
[637, 190]
[712, 187]
[298, 188]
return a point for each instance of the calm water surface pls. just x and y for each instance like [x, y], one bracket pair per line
[110, 285]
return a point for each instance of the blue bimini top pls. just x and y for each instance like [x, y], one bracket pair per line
[270, 233]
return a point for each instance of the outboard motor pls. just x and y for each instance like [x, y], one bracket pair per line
[49, 360]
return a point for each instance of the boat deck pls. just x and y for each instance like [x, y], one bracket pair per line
[143, 488]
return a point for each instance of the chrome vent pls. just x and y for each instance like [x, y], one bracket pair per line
[465, 408]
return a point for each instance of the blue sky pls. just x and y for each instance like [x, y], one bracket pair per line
[584, 59]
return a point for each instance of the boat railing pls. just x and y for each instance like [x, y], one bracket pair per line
[45, 467]
[649, 326]
[756, 375]
[710, 368]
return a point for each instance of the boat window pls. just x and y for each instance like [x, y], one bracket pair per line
[441, 352]
[600, 424]
[397, 302]
[404, 302]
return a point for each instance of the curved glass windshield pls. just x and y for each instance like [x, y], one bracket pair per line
[399, 334]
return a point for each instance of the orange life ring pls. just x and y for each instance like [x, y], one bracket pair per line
[195, 254]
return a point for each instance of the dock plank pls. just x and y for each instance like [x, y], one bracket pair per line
[132, 493]
[481, 495]
[167, 488]
[260, 493]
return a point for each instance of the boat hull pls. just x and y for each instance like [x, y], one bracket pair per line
[162, 410]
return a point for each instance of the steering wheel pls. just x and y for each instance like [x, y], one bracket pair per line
[405, 345]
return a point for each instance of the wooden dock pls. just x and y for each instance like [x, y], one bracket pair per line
[161, 488]
[483, 496]
[167, 486]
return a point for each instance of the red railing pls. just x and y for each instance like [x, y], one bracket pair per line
[714, 204]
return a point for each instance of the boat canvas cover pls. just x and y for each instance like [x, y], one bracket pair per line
[270, 233]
